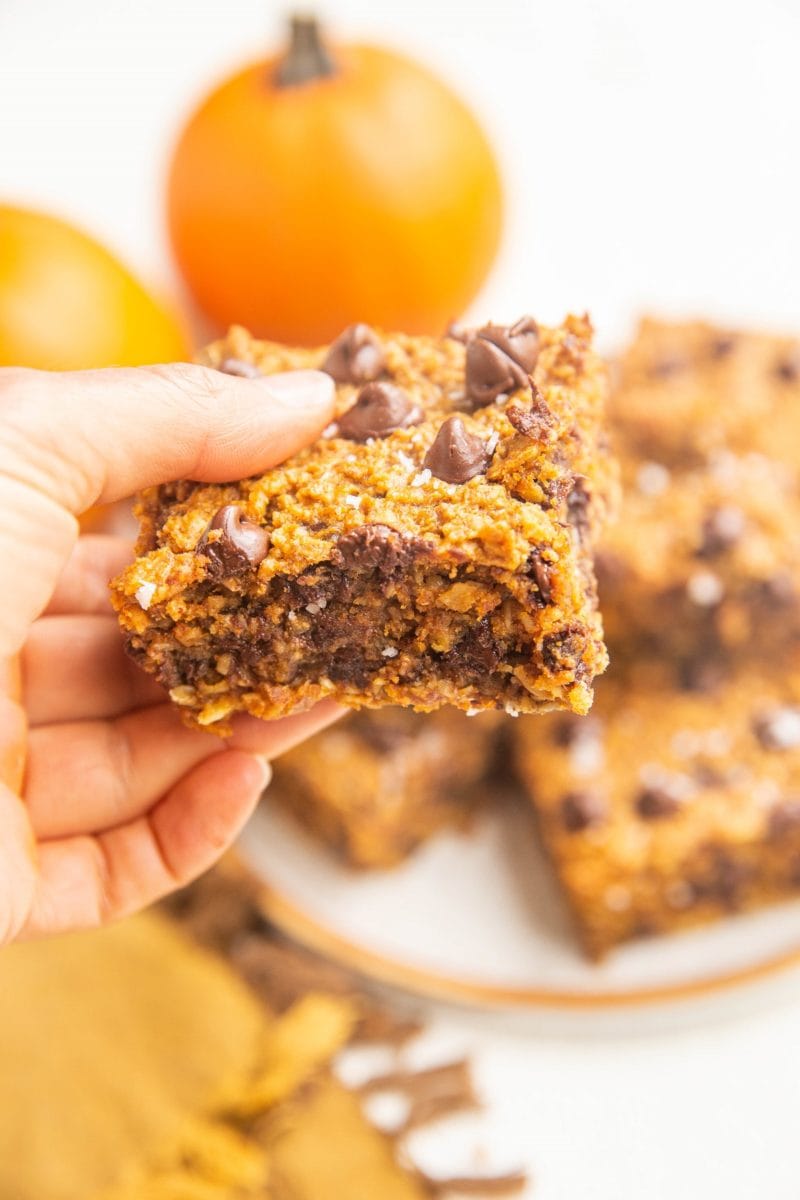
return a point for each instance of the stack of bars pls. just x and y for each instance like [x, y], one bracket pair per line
[678, 799]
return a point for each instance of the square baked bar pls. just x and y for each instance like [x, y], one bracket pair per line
[704, 560]
[665, 808]
[434, 547]
[689, 388]
[378, 784]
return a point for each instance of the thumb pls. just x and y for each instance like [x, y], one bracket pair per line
[71, 440]
[88, 437]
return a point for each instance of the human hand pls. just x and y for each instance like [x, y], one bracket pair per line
[107, 801]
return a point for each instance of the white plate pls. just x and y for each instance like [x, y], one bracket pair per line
[476, 918]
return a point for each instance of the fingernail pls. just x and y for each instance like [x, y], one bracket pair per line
[266, 770]
[312, 389]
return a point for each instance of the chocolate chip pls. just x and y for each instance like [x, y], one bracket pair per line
[380, 408]
[702, 675]
[457, 455]
[355, 357]
[238, 366]
[532, 422]
[788, 368]
[722, 347]
[578, 507]
[241, 545]
[499, 360]
[778, 728]
[582, 810]
[658, 801]
[722, 529]
[784, 818]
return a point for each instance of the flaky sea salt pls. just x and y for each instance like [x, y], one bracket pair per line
[705, 589]
[144, 595]
[390, 652]
[491, 444]
[422, 478]
[652, 479]
[353, 501]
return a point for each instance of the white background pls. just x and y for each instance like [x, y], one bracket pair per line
[652, 154]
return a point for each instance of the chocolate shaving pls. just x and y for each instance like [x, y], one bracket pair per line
[509, 1183]
[432, 1093]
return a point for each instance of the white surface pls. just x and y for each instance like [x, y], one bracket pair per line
[652, 154]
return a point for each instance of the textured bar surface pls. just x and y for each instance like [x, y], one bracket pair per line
[666, 808]
[434, 547]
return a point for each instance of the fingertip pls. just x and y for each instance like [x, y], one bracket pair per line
[300, 389]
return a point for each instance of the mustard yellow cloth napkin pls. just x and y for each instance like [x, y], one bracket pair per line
[131, 1062]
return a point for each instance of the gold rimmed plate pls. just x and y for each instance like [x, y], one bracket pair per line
[475, 918]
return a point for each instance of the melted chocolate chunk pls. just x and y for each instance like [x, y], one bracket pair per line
[478, 652]
[779, 728]
[658, 801]
[722, 347]
[788, 368]
[723, 879]
[535, 421]
[379, 410]
[582, 810]
[238, 366]
[457, 455]
[562, 650]
[379, 549]
[355, 357]
[241, 545]
[499, 360]
[578, 507]
[539, 571]
[722, 529]
[784, 817]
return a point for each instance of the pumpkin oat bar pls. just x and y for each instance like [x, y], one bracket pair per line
[704, 559]
[686, 389]
[433, 547]
[375, 786]
[667, 808]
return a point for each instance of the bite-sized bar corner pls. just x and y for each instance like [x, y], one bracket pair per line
[434, 547]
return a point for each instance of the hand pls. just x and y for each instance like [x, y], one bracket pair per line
[107, 801]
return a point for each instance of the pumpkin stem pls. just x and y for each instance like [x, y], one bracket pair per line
[306, 57]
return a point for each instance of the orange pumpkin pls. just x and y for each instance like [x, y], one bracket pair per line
[316, 189]
[67, 303]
